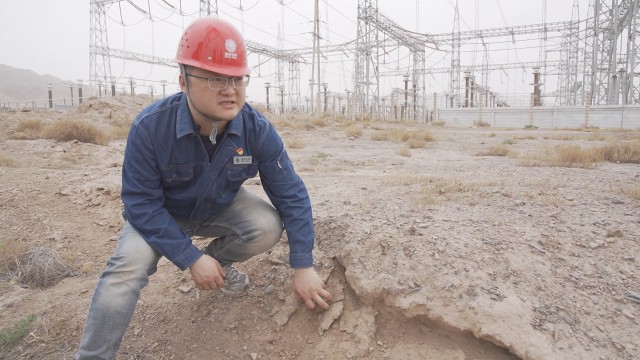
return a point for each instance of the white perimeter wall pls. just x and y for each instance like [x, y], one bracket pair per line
[610, 117]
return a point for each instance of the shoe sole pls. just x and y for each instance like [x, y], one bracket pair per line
[234, 292]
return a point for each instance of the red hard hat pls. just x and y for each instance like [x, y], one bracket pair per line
[215, 45]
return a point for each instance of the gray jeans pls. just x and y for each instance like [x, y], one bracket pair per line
[250, 226]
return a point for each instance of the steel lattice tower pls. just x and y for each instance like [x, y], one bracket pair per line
[604, 82]
[99, 60]
[568, 83]
[454, 84]
[631, 85]
[207, 10]
[366, 81]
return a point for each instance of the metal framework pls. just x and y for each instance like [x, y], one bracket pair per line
[598, 61]
[610, 75]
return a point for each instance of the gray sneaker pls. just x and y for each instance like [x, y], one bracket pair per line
[235, 281]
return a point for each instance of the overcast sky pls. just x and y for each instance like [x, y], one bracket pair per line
[52, 37]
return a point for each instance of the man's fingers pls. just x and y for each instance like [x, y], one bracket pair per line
[320, 301]
[325, 294]
[310, 304]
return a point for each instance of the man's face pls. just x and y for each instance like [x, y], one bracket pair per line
[220, 104]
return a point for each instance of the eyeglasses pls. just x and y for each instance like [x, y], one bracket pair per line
[221, 82]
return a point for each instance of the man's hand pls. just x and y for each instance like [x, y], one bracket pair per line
[308, 285]
[207, 273]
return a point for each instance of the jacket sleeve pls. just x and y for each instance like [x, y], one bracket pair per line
[143, 200]
[289, 196]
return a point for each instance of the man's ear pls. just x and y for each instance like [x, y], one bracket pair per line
[182, 83]
[182, 78]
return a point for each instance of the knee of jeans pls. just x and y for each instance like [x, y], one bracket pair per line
[270, 226]
[132, 263]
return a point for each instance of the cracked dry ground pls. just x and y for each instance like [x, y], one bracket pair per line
[440, 255]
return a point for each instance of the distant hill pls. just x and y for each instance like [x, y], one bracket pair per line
[23, 85]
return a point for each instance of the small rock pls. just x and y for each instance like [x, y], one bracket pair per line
[614, 233]
[185, 288]
[254, 356]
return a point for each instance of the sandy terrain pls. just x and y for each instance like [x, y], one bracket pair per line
[442, 254]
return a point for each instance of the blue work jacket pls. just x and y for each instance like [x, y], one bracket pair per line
[167, 174]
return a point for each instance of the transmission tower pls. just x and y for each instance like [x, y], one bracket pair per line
[568, 84]
[631, 85]
[366, 79]
[371, 23]
[206, 8]
[454, 84]
[99, 60]
[605, 83]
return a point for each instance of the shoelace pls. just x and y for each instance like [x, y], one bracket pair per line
[231, 273]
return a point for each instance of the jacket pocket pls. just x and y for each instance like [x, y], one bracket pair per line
[176, 176]
[241, 172]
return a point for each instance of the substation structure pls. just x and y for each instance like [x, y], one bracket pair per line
[598, 63]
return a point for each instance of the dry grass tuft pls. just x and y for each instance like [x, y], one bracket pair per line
[282, 123]
[295, 143]
[27, 129]
[632, 191]
[499, 150]
[431, 190]
[405, 151]
[481, 124]
[72, 129]
[414, 138]
[320, 122]
[118, 132]
[354, 131]
[6, 162]
[576, 156]
[620, 152]
[38, 267]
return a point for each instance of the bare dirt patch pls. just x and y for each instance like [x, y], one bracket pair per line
[431, 253]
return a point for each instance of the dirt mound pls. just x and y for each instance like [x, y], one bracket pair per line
[441, 254]
[115, 111]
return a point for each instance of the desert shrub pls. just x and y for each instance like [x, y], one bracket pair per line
[574, 156]
[481, 123]
[72, 129]
[404, 151]
[423, 135]
[380, 135]
[6, 162]
[38, 267]
[10, 252]
[622, 152]
[414, 143]
[27, 129]
[399, 135]
[413, 138]
[632, 191]
[17, 331]
[320, 122]
[295, 143]
[118, 132]
[499, 150]
[353, 131]
[281, 123]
